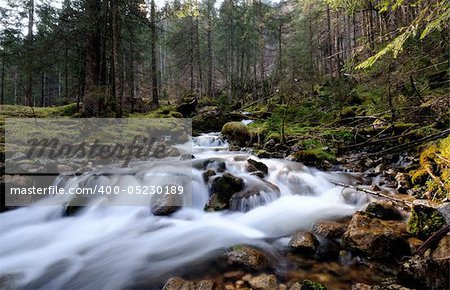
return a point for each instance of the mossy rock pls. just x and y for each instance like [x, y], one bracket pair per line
[424, 221]
[311, 285]
[314, 157]
[236, 133]
[383, 210]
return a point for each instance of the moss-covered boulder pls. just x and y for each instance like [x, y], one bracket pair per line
[236, 133]
[315, 157]
[424, 221]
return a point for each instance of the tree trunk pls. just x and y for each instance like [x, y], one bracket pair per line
[209, 50]
[154, 37]
[3, 77]
[29, 90]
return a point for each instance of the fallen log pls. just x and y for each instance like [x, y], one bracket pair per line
[371, 192]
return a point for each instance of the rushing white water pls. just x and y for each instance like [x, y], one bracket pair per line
[113, 247]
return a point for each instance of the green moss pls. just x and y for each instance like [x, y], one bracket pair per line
[311, 285]
[236, 132]
[424, 221]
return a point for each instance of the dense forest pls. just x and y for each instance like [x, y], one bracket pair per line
[319, 156]
[126, 56]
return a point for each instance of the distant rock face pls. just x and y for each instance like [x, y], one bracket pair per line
[383, 210]
[247, 257]
[303, 242]
[329, 229]
[424, 221]
[376, 238]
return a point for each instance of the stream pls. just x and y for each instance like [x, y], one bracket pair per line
[112, 247]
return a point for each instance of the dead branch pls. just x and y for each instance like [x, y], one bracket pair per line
[371, 192]
[432, 240]
[407, 145]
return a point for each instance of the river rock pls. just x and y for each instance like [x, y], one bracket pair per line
[383, 210]
[424, 221]
[225, 186]
[263, 282]
[424, 273]
[207, 174]
[329, 229]
[259, 166]
[247, 257]
[236, 133]
[303, 242]
[165, 204]
[376, 238]
[177, 283]
[187, 157]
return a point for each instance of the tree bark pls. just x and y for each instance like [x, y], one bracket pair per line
[154, 37]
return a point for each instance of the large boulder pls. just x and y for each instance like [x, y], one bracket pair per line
[376, 238]
[424, 273]
[303, 242]
[236, 133]
[212, 119]
[247, 257]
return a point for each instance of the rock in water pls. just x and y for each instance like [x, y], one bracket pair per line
[376, 238]
[165, 204]
[259, 166]
[263, 282]
[383, 210]
[304, 242]
[236, 133]
[247, 257]
[225, 186]
[424, 221]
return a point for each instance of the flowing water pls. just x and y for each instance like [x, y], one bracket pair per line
[110, 247]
